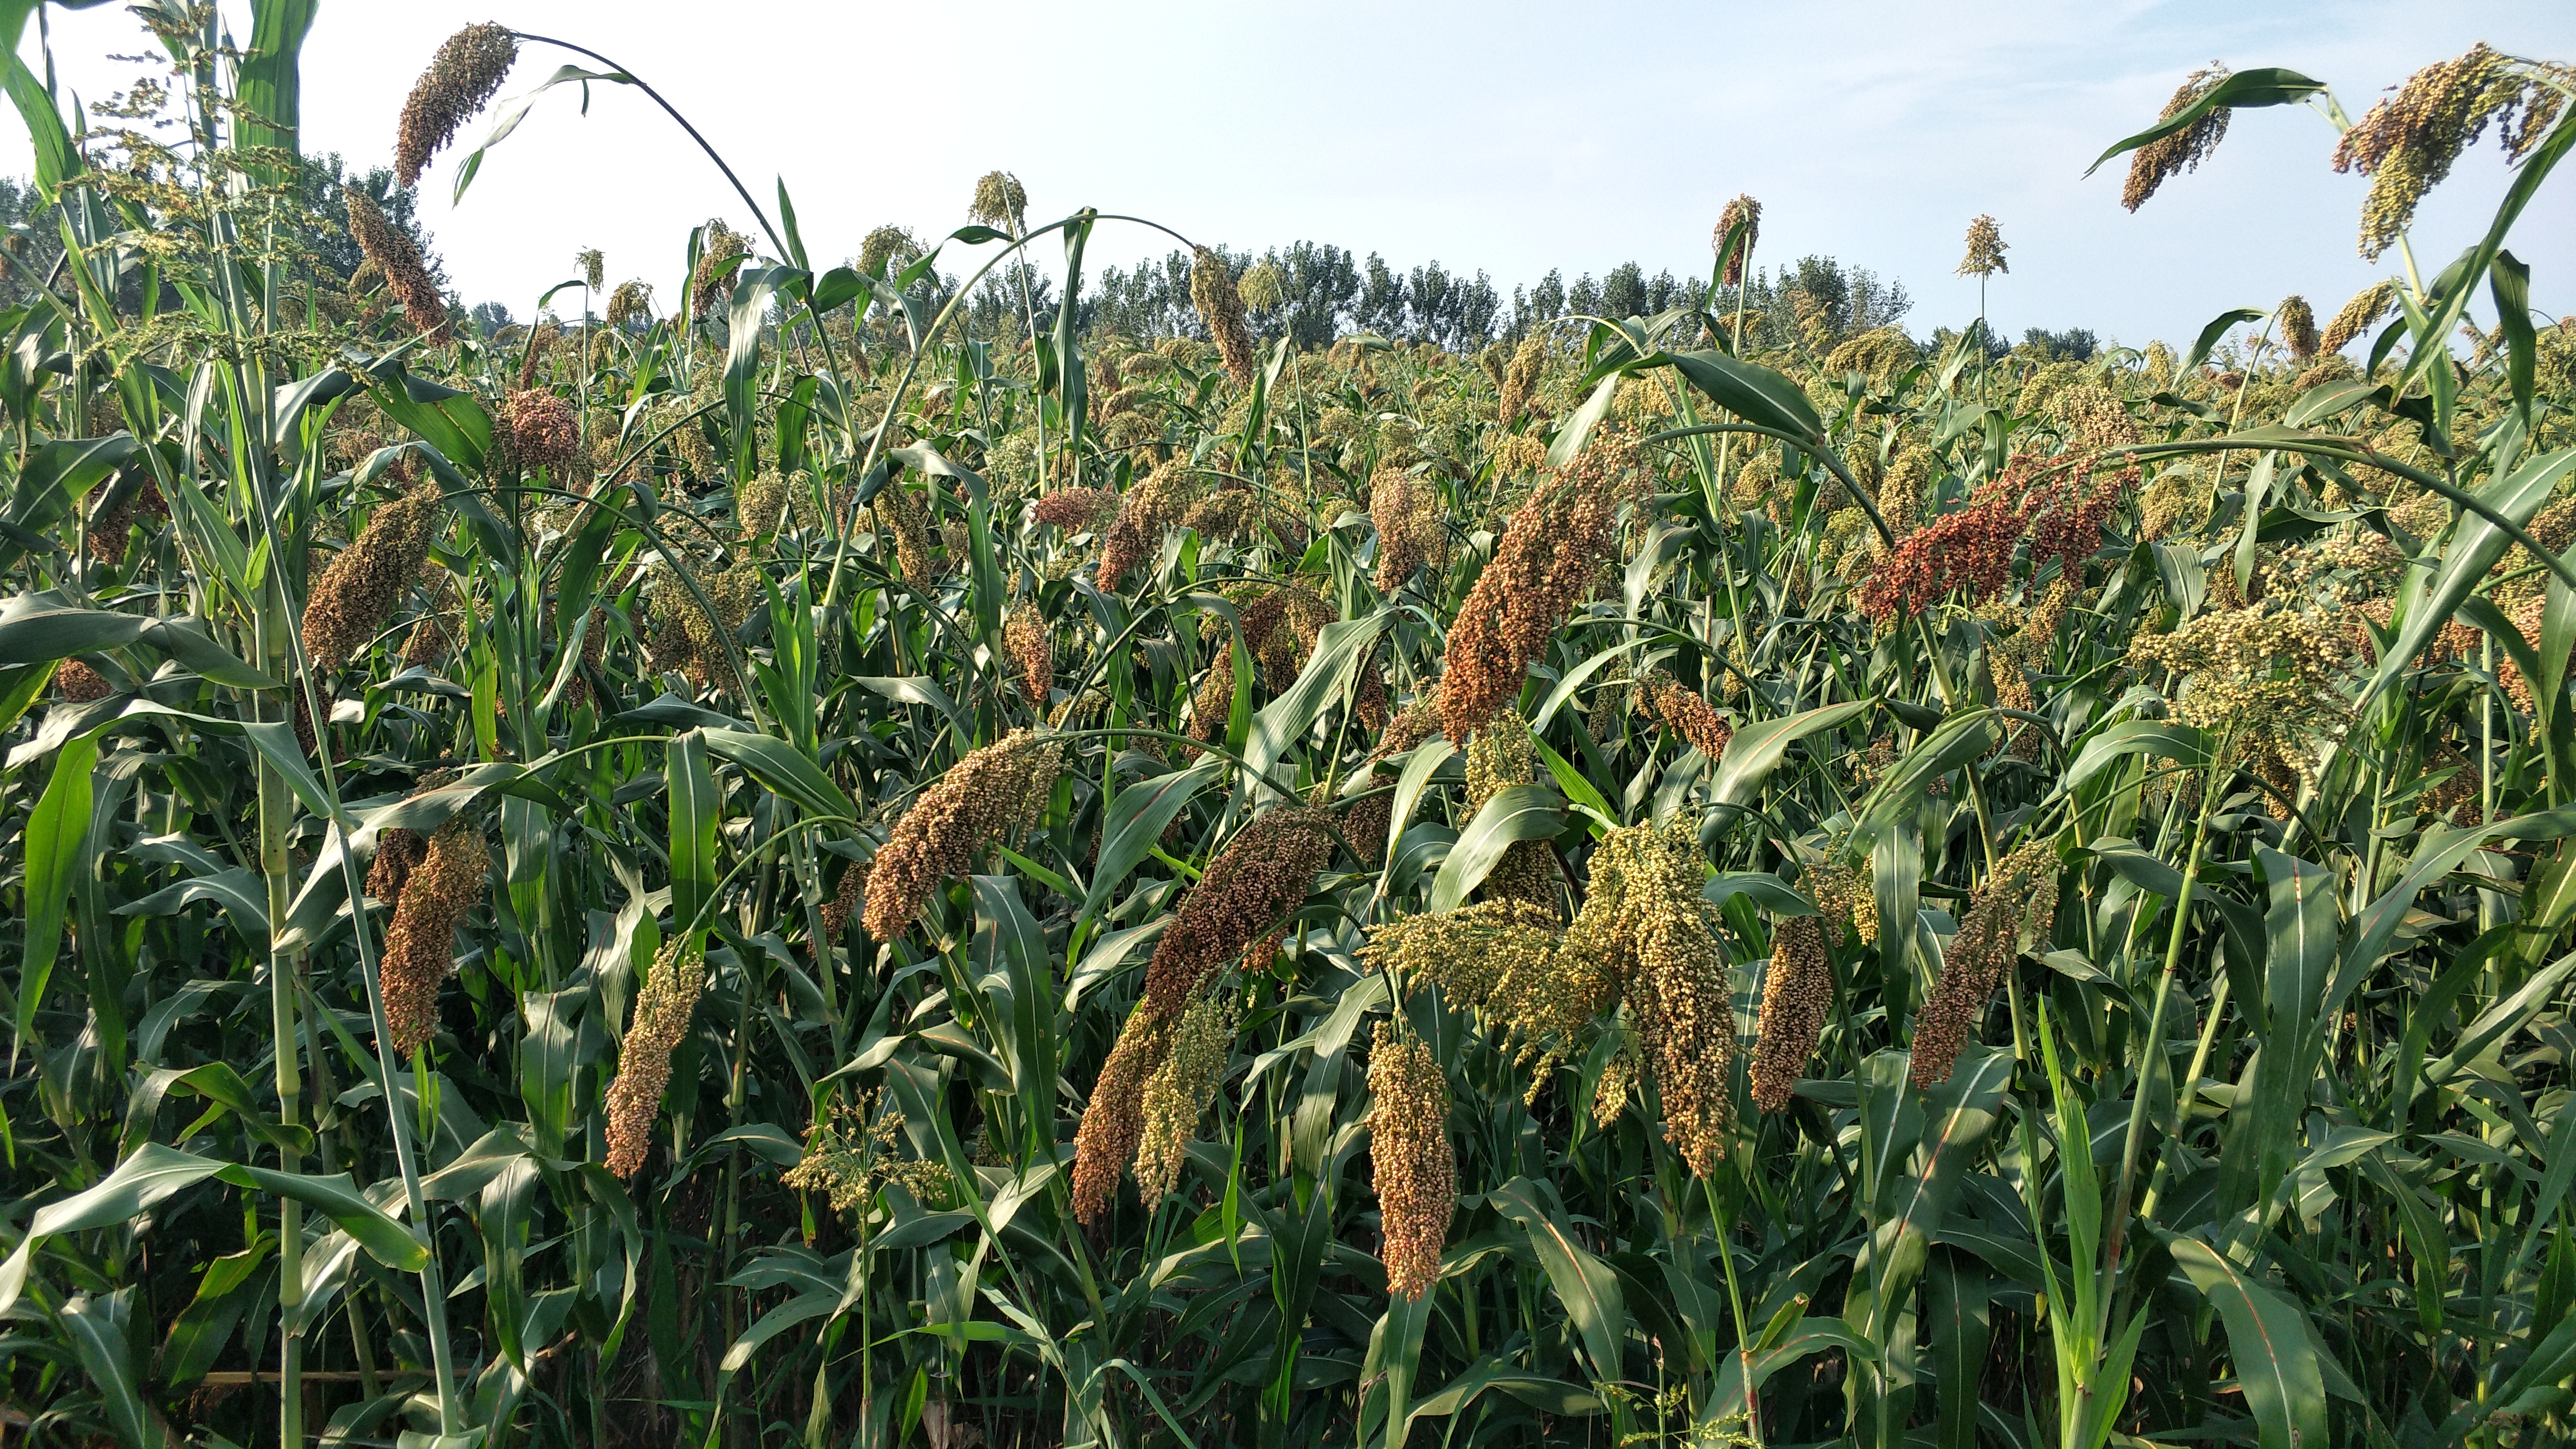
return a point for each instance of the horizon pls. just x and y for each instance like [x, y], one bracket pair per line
[2009, 116]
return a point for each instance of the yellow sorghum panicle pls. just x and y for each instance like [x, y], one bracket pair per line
[909, 522]
[394, 254]
[1796, 992]
[1502, 960]
[1520, 380]
[1749, 211]
[1501, 755]
[347, 603]
[1413, 1164]
[850, 1153]
[886, 244]
[1548, 558]
[708, 284]
[594, 267]
[2263, 675]
[1220, 308]
[632, 299]
[1026, 636]
[2366, 307]
[1618, 1079]
[1000, 200]
[461, 80]
[1986, 248]
[1261, 286]
[2014, 910]
[999, 786]
[1687, 715]
[2298, 327]
[1410, 528]
[2406, 143]
[420, 943]
[1178, 1093]
[662, 1012]
[2161, 160]
[1646, 925]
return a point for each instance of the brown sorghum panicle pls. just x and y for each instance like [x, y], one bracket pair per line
[1687, 715]
[847, 899]
[662, 1011]
[1026, 635]
[1260, 876]
[399, 852]
[1077, 510]
[461, 80]
[1410, 527]
[2407, 143]
[1113, 1121]
[420, 944]
[2159, 161]
[632, 299]
[951, 821]
[2018, 903]
[1795, 995]
[1220, 307]
[349, 600]
[1550, 554]
[406, 275]
[538, 430]
[1749, 211]
[77, 683]
[1414, 1165]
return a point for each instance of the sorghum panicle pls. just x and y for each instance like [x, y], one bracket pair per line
[662, 1011]
[406, 275]
[1004, 784]
[2159, 161]
[2016, 907]
[1220, 308]
[348, 601]
[461, 80]
[1412, 1162]
[420, 944]
[1796, 993]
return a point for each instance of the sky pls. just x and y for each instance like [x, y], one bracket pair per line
[1507, 138]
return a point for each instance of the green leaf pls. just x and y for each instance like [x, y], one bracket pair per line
[55, 830]
[507, 116]
[2218, 327]
[1587, 1286]
[2475, 547]
[1516, 813]
[2246, 89]
[1340, 649]
[1137, 819]
[697, 808]
[151, 1174]
[1757, 749]
[1751, 391]
[106, 1353]
[1419, 767]
[783, 768]
[2275, 1362]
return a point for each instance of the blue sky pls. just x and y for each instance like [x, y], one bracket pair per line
[1509, 138]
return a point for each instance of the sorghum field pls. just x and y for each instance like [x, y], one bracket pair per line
[801, 859]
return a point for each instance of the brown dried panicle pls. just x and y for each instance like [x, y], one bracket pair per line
[2012, 912]
[1549, 556]
[1000, 786]
[1645, 924]
[461, 80]
[1413, 1165]
[348, 601]
[1220, 309]
[405, 274]
[1151, 505]
[2161, 160]
[662, 1011]
[420, 943]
